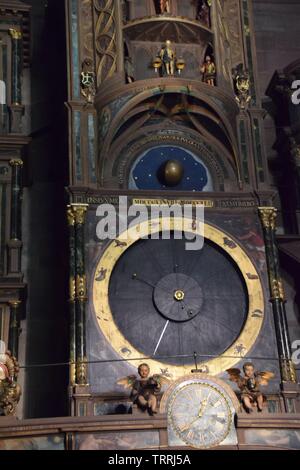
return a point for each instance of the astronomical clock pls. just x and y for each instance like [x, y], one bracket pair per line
[156, 299]
[165, 110]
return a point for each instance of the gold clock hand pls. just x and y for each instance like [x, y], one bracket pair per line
[187, 426]
[202, 408]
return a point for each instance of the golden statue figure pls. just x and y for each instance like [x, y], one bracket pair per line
[208, 70]
[168, 57]
[250, 385]
[144, 390]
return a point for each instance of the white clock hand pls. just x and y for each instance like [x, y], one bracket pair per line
[161, 337]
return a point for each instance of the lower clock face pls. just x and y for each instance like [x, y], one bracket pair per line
[154, 299]
[199, 414]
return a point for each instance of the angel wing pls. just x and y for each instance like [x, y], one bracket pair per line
[234, 375]
[161, 379]
[127, 382]
[264, 377]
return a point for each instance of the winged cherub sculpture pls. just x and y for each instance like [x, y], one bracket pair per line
[145, 388]
[250, 384]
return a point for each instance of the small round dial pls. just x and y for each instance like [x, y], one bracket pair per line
[200, 414]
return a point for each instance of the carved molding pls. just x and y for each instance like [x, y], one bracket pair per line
[105, 39]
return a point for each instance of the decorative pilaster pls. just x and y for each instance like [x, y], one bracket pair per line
[15, 243]
[16, 107]
[72, 295]
[76, 215]
[16, 41]
[14, 328]
[268, 218]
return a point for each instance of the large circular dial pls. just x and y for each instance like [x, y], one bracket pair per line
[155, 299]
[199, 413]
[176, 301]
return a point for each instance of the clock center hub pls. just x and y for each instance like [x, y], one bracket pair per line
[178, 297]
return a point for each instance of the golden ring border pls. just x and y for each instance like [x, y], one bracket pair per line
[117, 340]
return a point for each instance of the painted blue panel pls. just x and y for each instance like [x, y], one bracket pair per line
[75, 49]
[145, 172]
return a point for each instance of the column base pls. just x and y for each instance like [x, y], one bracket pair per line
[14, 248]
[16, 114]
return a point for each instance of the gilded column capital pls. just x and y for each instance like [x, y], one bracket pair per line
[70, 216]
[268, 217]
[14, 303]
[16, 162]
[72, 289]
[78, 211]
[15, 34]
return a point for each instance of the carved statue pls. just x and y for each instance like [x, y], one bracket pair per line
[164, 6]
[250, 385]
[242, 87]
[168, 56]
[208, 70]
[129, 70]
[203, 12]
[10, 391]
[144, 390]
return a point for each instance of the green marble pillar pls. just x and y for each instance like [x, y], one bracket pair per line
[79, 211]
[268, 218]
[72, 295]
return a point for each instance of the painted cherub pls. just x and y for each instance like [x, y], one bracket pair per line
[144, 390]
[250, 385]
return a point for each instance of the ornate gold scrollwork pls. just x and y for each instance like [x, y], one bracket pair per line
[288, 370]
[277, 290]
[242, 85]
[81, 372]
[76, 214]
[81, 293]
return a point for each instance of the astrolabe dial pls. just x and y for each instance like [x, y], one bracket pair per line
[155, 299]
[178, 301]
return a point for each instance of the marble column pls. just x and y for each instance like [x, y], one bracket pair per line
[268, 218]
